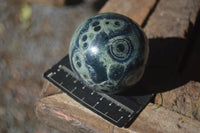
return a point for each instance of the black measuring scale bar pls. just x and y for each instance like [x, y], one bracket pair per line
[119, 110]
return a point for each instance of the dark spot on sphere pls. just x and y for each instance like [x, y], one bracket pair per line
[106, 37]
[95, 23]
[78, 64]
[85, 45]
[120, 47]
[84, 38]
[77, 58]
[97, 71]
[97, 28]
[117, 23]
[116, 72]
[85, 76]
[91, 35]
[107, 22]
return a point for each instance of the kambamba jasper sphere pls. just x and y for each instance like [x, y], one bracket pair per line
[108, 53]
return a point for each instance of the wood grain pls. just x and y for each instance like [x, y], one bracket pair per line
[65, 114]
[137, 10]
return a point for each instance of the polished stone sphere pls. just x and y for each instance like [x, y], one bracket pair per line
[108, 53]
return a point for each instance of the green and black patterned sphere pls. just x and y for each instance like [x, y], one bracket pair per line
[108, 53]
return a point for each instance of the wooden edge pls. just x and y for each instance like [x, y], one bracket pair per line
[68, 115]
[137, 10]
[48, 90]
[172, 18]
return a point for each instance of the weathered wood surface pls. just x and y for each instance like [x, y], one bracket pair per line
[168, 23]
[137, 10]
[64, 113]
[184, 100]
[172, 18]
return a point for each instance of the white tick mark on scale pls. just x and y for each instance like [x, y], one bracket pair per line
[74, 89]
[83, 87]
[92, 93]
[96, 104]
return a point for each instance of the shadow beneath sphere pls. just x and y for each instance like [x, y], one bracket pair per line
[172, 63]
[162, 70]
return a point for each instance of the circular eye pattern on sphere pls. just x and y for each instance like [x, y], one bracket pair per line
[108, 52]
[121, 49]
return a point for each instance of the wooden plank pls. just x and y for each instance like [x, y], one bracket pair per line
[172, 18]
[137, 10]
[161, 120]
[70, 115]
[184, 100]
[62, 112]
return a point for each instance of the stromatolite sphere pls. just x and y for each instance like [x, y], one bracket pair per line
[108, 53]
